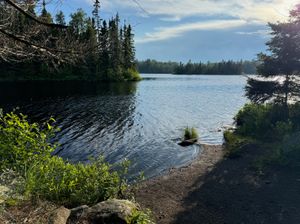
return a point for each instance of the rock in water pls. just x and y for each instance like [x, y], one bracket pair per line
[108, 212]
[188, 142]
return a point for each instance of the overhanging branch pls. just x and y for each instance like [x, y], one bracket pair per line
[12, 36]
[34, 18]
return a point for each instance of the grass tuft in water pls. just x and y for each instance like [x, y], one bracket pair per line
[190, 133]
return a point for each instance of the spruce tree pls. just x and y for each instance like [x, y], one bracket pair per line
[45, 15]
[114, 49]
[278, 78]
[96, 16]
[60, 18]
[103, 51]
[128, 48]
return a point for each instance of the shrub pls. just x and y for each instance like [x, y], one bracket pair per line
[72, 184]
[25, 149]
[295, 115]
[282, 129]
[234, 143]
[141, 217]
[132, 75]
[264, 122]
[190, 133]
[253, 120]
[21, 143]
[115, 74]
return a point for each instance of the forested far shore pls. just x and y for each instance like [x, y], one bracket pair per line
[46, 47]
[224, 67]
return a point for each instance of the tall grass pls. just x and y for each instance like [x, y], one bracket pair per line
[190, 133]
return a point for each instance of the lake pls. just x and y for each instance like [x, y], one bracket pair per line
[142, 121]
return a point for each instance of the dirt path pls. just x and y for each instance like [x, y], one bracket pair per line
[216, 190]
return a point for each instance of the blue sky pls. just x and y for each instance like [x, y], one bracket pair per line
[197, 30]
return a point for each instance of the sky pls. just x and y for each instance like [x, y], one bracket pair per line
[197, 30]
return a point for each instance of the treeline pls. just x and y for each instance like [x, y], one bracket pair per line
[105, 49]
[223, 67]
[153, 66]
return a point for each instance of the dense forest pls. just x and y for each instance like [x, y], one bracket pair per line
[224, 67]
[43, 47]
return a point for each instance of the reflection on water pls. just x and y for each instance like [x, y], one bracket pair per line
[139, 121]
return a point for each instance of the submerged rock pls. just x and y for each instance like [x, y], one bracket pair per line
[189, 142]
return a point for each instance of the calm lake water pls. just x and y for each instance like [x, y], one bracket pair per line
[142, 122]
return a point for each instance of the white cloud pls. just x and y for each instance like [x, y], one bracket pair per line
[251, 10]
[164, 33]
[241, 12]
[263, 33]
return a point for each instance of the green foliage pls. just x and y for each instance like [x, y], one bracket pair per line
[72, 184]
[283, 128]
[141, 217]
[272, 155]
[107, 54]
[268, 127]
[190, 133]
[22, 143]
[282, 59]
[25, 149]
[252, 120]
[132, 75]
[264, 122]
[294, 115]
[223, 67]
[234, 143]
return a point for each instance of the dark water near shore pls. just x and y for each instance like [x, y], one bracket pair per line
[138, 121]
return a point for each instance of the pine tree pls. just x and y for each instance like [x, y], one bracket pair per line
[96, 17]
[103, 51]
[78, 22]
[60, 18]
[279, 71]
[128, 48]
[45, 15]
[114, 49]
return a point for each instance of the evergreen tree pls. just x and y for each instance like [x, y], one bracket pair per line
[104, 51]
[45, 15]
[128, 48]
[96, 17]
[279, 71]
[78, 22]
[114, 49]
[60, 18]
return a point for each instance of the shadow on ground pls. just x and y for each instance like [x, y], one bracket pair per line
[234, 193]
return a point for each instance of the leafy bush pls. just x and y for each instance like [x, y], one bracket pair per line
[22, 143]
[132, 75]
[253, 120]
[115, 74]
[25, 149]
[234, 143]
[141, 217]
[294, 112]
[190, 133]
[265, 122]
[72, 184]
[283, 128]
